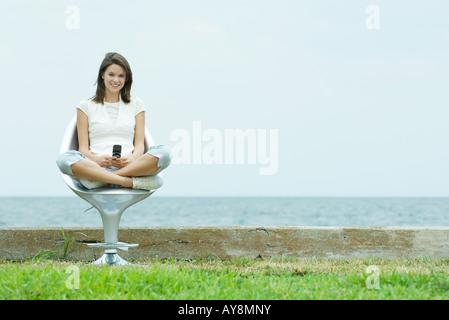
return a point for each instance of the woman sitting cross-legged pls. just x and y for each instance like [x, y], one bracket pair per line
[113, 117]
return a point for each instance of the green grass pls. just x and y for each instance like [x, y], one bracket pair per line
[242, 278]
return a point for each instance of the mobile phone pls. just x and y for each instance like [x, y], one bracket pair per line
[117, 150]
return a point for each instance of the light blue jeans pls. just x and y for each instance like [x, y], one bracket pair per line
[68, 158]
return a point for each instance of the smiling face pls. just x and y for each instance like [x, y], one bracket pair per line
[114, 79]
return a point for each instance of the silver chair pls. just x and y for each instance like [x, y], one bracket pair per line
[111, 202]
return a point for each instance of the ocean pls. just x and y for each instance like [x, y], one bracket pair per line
[228, 211]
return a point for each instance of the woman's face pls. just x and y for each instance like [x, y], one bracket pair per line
[114, 78]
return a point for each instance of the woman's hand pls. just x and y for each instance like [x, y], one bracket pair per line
[105, 160]
[123, 161]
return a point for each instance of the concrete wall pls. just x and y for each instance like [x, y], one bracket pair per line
[232, 242]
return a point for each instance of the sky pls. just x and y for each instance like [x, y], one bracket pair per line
[255, 98]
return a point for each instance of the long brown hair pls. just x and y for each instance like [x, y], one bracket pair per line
[114, 58]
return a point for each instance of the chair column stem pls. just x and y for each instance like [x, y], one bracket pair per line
[111, 222]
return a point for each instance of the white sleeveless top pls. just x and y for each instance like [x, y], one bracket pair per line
[104, 132]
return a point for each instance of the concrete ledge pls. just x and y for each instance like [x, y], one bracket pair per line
[232, 242]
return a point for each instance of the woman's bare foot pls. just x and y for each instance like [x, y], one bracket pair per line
[127, 182]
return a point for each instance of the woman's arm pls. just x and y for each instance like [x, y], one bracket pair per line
[82, 126]
[139, 135]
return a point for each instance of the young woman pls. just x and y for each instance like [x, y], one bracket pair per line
[113, 117]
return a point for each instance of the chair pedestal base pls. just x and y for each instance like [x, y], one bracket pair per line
[110, 256]
[111, 259]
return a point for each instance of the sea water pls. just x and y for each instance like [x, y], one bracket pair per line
[228, 211]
